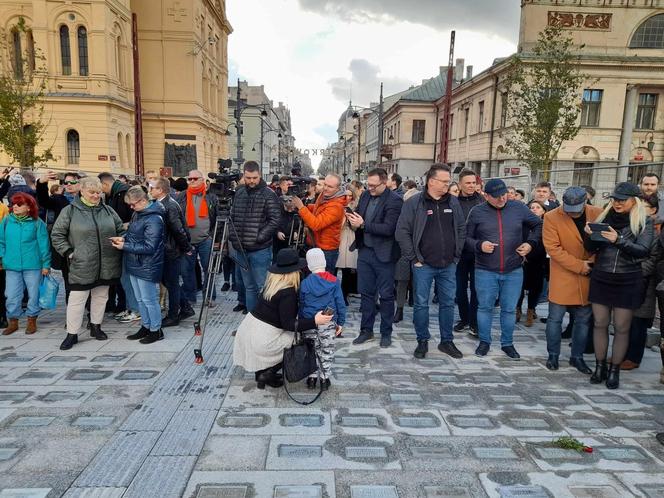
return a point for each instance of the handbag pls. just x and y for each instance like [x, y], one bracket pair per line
[300, 360]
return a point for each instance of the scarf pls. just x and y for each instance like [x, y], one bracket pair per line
[21, 218]
[88, 203]
[202, 210]
[617, 220]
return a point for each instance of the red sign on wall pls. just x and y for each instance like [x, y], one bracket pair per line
[102, 158]
[166, 172]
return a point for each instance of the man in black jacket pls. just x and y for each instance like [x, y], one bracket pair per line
[177, 244]
[114, 195]
[255, 214]
[465, 272]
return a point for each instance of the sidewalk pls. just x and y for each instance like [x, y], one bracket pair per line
[119, 419]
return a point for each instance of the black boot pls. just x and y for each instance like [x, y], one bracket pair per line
[599, 375]
[69, 341]
[142, 332]
[97, 332]
[613, 378]
[268, 377]
[152, 337]
[398, 316]
[552, 362]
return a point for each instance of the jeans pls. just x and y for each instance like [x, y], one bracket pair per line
[465, 273]
[331, 258]
[254, 274]
[491, 285]
[147, 294]
[16, 282]
[375, 277]
[171, 280]
[580, 329]
[239, 285]
[445, 281]
[201, 250]
[131, 301]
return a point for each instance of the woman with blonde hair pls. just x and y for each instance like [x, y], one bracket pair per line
[268, 329]
[616, 281]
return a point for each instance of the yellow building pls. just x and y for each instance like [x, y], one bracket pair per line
[90, 90]
[622, 118]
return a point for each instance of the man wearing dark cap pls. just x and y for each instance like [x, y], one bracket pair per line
[495, 232]
[569, 279]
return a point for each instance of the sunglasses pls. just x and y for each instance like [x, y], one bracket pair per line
[19, 204]
[71, 182]
[194, 178]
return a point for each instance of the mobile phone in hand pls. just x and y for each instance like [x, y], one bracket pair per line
[328, 311]
[350, 210]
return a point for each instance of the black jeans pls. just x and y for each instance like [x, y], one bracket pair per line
[171, 280]
[465, 274]
[638, 334]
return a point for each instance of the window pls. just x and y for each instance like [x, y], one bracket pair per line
[130, 157]
[582, 175]
[592, 101]
[480, 124]
[121, 152]
[73, 147]
[645, 114]
[418, 131]
[450, 130]
[503, 109]
[82, 35]
[17, 54]
[31, 50]
[650, 34]
[465, 122]
[117, 54]
[65, 52]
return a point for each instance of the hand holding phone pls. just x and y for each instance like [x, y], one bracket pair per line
[328, 311]
[349, 210]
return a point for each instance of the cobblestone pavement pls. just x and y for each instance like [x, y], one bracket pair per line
[119, 419]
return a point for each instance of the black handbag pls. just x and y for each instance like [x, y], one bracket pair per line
[300, 360]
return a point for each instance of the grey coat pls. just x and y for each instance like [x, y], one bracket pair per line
[82, 232]
[653, 269]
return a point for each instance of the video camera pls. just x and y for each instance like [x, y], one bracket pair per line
[299, 187]
[221, 185]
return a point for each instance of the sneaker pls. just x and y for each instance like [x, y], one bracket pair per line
[365, 335]
[421, 350]
[239, 307]
[511, 352]
[186, 313]
[325, 384]
[311, 382]
[152, 337]
[460, 326]
[552, 362]
[385, 341]
[122, 314]
[473, 331]
[449, 348]
[225, 287]
[170, 322]
[482, 349]
[142, 332]
[130, 317]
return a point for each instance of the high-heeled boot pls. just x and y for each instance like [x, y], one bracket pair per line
[269, 377]
[398, 316]
[613, 377]
[599, 375]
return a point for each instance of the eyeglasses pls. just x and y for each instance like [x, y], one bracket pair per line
[194, 178]
[373, 187]
[443, 182]
[70, 182]
[134, 204]
[19, 204]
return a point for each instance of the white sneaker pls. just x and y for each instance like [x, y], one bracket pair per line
[130, 317]
[120, 315]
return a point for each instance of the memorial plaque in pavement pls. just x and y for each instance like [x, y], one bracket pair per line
[594, 492]
[587, 423]
[651, 490]
[54, 396]
[109, 358]
[405, 398]
[16, 396]
[620, 454]
[298, 492]
[456, 398]
[36, 375]
[137, 374]
[417, 422]
[222, 492]
[360, 421]
[649, 399]
[344, 360]
[431, 452]
[444, 492]
[490, 453]
[373, 492]
[242, 421]
[64, 359]
[530, 423]
[365, 452]
[88, 374]
[32, 421]
[301, 420]
[354, 397]
[488, 379]
[607, 399]
[93, 421]
[640, 425]
[343, 377]
[558, 400]
[15, 358]
[299, 451]
[507, 398]
[558, 454]
[8, 453]
[442, 378]
[397, 378]
[522, 492]
[467, 422]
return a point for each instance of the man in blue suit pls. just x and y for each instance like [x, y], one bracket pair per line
[374, 223]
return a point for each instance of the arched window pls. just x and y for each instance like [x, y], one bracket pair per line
[121, 152]
[82, 36]
[30, 50]
[650, 34]
[65, 50]
[73, 147]
[17, 54]
[130, 157]
[117, 54]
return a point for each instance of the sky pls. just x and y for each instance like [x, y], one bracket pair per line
[316, 55]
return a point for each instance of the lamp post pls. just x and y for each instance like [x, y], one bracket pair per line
[379, 113]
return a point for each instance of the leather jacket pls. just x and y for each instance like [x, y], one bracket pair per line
[628, 252]
[178, 241]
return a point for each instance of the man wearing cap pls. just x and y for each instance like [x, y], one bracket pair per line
[569, 279]
[495, 231]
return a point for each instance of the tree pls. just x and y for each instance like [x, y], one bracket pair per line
[22, 88]
[543, 102]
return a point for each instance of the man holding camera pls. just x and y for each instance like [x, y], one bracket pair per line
[324, 218]
[287, 212]
[255, 214]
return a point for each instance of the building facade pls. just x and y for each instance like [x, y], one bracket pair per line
[90, 95]
[622, 117]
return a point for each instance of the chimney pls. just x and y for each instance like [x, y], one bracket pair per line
[469, 72]
[458, 71]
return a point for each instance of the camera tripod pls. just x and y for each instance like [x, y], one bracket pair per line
[296, 235]
[222, 225]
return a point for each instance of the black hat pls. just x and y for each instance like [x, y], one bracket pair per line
[287, 261]
[495, 187]
[625, 190]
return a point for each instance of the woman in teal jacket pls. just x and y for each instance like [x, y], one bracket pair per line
[26, 256]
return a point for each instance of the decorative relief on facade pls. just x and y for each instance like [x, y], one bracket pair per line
[177, 12]
[182, 158]
[580, 21]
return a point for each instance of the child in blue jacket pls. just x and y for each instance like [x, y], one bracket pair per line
[318, 291]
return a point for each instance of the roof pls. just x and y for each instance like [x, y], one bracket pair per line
[429, 91]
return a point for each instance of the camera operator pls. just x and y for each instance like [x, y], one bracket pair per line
[256, 213]
[287, 212]
[325, 217]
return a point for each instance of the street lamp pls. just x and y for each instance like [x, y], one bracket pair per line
[379, 113]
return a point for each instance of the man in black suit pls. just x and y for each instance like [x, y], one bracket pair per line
[374, 223]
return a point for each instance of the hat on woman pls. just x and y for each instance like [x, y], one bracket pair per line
[625, 190]
[287, 261]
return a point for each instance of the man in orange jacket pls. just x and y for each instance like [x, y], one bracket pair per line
[324, 218]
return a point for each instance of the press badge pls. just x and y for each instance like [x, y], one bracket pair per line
[447, 211]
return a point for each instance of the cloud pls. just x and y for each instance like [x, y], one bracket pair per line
[490, 16]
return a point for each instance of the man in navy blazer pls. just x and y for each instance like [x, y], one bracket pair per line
[375, 222]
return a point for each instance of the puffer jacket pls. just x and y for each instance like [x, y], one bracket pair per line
[144, 243]
[317, 292]
[324, 218]
[82, 232]
[256, 213]
[24, 244]
[628, 252]
[177, 240]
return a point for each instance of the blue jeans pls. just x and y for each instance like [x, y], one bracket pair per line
[171, 280]
[147, 294]
[465, 274]
[239, 285]
[445, 281]
[580, 328]
[506, 287]
[331, 258]
[130, 297]
[16, 282]
[375, 277]
[254, 274]
[201, 250]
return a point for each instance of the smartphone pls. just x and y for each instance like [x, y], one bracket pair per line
[350, 210]
[596, 229]
[328, 311]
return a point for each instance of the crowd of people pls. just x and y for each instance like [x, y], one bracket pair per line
[137, 248]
